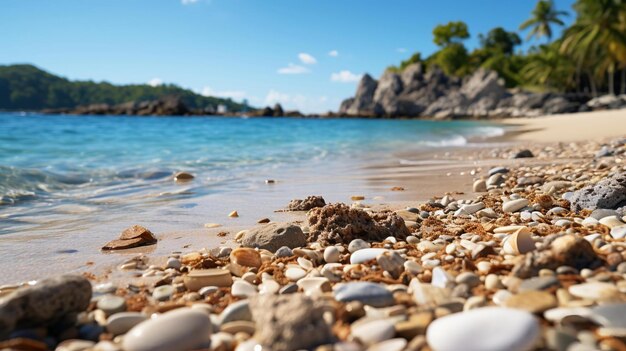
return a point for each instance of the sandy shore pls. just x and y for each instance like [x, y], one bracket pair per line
[569, 127]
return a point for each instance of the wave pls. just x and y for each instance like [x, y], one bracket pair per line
[453, 140]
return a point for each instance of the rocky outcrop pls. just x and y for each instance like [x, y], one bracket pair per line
[416, 93]
[166, 106]
[609, 193]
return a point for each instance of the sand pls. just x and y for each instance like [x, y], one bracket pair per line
[569, 127]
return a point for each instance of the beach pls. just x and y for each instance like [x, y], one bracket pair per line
[422, 235]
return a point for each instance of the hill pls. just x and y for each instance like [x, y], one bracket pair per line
[26, 87]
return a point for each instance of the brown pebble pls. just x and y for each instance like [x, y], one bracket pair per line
[233, 214]
[263, 220]
[183, 176]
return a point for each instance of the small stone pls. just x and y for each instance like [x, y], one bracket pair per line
[212, 225]
[263, 220]
[441, 278]
[183, 176]
[470, 279]
[485, 329]
[532, 301]
[514, 205]
[74, 345]
[174, 263]
[397, 344]
[111, 304]
[391, 262]
[610, 315]
[524, 154]
[134, 236]
[163, 292]
[178, 330]
[596, 291]
[492, 282]
[233, 214]
[365, 255]
[121, 323]
[413, 267]
[269, 286]
[538, 283]
[618, 232]
[372, 332]
[294, 273]
[242, 288]
[480, 186]
[273, 236]
[357, 244]
[331, 254]
[314, 286]
[372, 294]
[200, 278]
[497, 170]
[236, 311]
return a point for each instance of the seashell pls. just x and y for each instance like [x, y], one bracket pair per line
[519, 242]
[243, 259]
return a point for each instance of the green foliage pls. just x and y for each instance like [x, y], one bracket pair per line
[542, 18]
[452, 59]
[451, 33]
[549, 68]
[500, 40]
[26, 87]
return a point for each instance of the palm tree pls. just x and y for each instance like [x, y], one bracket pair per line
[548, 67]
[543, 16]
[597, 38]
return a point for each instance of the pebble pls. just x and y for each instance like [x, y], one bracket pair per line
[283, 251]
[105, 288]
[514, 205]
[122, 322]
[479, 186]
[611, 222]
[314, 286]
[391, 262]
[173, 263]
[365, 255]
[111, 304]
[497, 170]
[233, 214]
[618, 232]
[597, 291]
[519, 242]
[163, 292]
[468, 278]
[179, 330]
[532, 301]
[269, 286]
[485, 329]
[610, 315]
[236, 311]
[538, 283]
[372, 332]
[441, 278]
[74, 345]
[200, 278]
[358, 244]
[331, 254]
[242, 288]
[294, 273]
[372, 294]
[413, 267]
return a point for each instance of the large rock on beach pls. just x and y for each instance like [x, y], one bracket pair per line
[609, 193]
[339, 223]
[132, 237]
[273, 236]
[44, 303]
[363, 104]
[289, 322]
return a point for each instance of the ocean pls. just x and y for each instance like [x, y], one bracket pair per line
[74, 182]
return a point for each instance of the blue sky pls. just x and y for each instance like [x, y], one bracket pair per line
[305, 54]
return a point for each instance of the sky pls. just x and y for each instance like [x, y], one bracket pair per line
[304, 54]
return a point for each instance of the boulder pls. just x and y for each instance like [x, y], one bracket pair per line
[483, 83]
[278, 111]
[609, 193]
[345, 106]
[273, 236]
[386, 95]
[289, 322]
[47, 302]
[132, 237]
[363, 104]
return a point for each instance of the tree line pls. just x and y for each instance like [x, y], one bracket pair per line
[588, 57]
[26, 87]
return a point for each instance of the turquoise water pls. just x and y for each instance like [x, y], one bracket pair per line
[103, 162]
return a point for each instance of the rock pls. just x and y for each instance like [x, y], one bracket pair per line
[519, 242]
[397, 344]
[538, 283]
[485, 329]
[618, 232]
[243, 259]
[284, 251]
[273, 236]
[532, 301]
[480, 186]
[182, 329]
[391, 262]
[242, 288]
[514, 205]
[304, 205]
[372, 294]
[236, 311]
[74, 345]
[600, 213]
[200, 278]
[289, 322]
[497, 170]
[372, 332]
[363, 103]
[338, 223]
[365, 255]
[233, 214]
[183, 176]
[163, 292]
[278, 111]
[295, 273]
[111, 304]
[132, 237]
[45, 303]
[121, 323]
[357, 244]
[331, 254]
[596, 291]
[523, 154]
[609, 193]
[565, 250]
[610, 315]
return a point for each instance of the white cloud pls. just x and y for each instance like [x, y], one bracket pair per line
[293, 69]
[333, 53]
[155, 82]
[227, 94]
[188, 2]
[345, 76]
[307, 59]
[401, 50]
